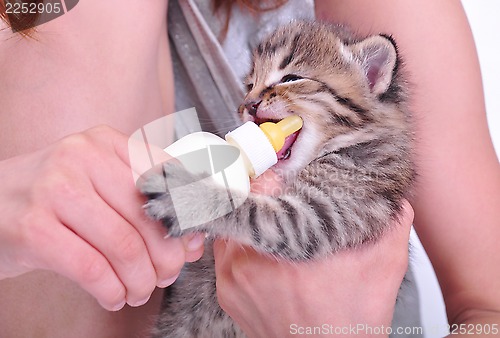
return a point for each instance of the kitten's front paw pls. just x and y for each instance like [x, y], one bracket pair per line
[157, 190]
[185, 202]
[172, 226]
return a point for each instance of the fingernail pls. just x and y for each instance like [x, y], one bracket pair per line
[168, 282]
[196, 242]
[140, 303]
[119, 306]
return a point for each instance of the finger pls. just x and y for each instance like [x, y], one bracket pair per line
[405, 221]
[222, 257]
[138, 152]
[230, 256]
[194, 246]
[119, 192]
[193, 256]
[168, 256]
[391, 250]
[94, 221]
[407, 212]
[52, 246]
[129, 154]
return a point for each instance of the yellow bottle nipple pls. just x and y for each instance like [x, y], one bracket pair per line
[277, 132]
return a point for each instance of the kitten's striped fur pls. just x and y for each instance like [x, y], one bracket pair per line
[344, 180]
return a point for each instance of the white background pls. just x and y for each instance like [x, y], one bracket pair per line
[484, 20]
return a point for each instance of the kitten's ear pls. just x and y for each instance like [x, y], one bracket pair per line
[378, 57]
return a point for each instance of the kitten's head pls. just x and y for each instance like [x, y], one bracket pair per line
[346, 90]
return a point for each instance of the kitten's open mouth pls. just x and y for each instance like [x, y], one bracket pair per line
[286, 150]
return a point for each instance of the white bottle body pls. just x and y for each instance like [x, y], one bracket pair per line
[247, 153]
[236, 172]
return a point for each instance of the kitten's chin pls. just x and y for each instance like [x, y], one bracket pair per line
[291, 166]
[287, 171]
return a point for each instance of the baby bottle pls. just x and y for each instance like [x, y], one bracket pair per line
[246, 153]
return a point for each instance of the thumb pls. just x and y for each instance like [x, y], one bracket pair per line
[405, 221]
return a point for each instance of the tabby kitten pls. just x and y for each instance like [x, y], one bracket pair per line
[345, 175]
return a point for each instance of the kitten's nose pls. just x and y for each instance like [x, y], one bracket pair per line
[252, 107]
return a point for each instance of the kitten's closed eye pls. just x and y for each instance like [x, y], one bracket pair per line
[290, 78]
[284, 79]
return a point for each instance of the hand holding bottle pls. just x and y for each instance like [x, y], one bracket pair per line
[77, 212]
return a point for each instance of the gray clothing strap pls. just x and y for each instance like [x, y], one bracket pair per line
[203, 77]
